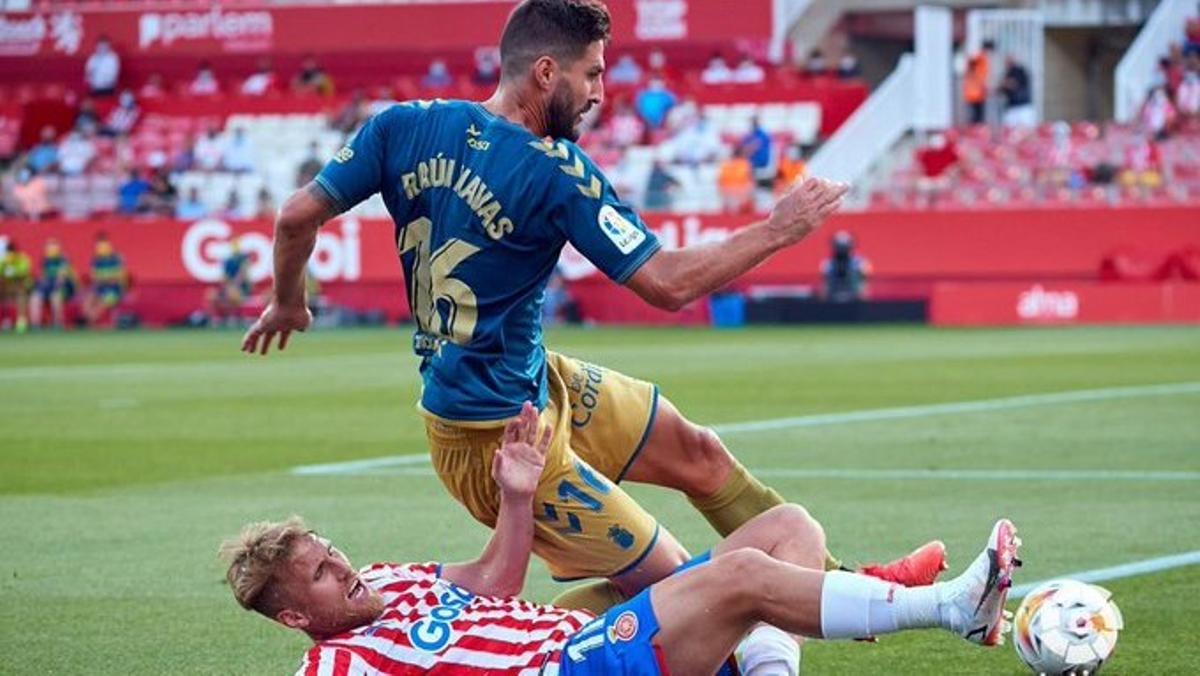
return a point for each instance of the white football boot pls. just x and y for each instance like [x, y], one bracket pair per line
[972, 604]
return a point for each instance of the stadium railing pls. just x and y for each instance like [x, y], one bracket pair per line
[874, 128]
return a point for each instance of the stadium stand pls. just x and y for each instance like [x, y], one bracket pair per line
[282, 125]
[238, 145]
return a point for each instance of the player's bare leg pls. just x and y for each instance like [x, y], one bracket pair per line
[742, 587]
[692, 459]
[785, 533]
[683, 456]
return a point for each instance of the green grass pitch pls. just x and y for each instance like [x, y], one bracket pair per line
[126, 457]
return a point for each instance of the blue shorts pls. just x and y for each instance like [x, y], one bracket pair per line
[621, 641]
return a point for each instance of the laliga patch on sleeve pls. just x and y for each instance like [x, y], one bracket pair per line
[624, 234]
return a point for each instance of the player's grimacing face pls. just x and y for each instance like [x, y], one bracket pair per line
[579, 88]
[322, 586]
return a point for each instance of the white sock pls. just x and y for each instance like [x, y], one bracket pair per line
[856, 606]
[767, 651]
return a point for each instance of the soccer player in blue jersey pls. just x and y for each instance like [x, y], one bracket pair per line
[484, 196]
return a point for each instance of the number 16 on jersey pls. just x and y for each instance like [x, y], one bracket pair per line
[443, 306]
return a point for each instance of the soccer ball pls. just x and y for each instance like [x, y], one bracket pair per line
[1066, 627]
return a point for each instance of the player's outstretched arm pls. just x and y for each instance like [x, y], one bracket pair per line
[517, 467]
[301, 216]
[672, 279]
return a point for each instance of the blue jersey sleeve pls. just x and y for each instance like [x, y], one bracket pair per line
[357, 170]
[604, 229]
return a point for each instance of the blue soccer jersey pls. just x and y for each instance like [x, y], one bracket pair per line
[482, 209]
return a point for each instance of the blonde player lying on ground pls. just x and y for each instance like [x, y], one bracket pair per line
[465, 618]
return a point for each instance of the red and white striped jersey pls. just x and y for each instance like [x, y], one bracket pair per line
[430, 626]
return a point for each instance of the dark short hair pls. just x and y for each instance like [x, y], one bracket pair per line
[560, 29]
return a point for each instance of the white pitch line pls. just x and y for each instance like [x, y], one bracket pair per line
[870, 415]
[417, 465]
[1134, 569]
[958, 407]
[361, 466]
[975, 474]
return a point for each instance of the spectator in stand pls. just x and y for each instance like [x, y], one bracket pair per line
[748, 72]
[1187, 100]
[355, 112]
[1192, 31]
[626, 72]
[438, 76]
[261, 81]
[122, 119]
[16, 280]
[975, 84]
[938, 162]
[265, 207]
[1158, 114]
[816, 65]
[161, 197]
[56, 286]
[1143, 165]
[233, 209]
[185, 158]
[191, 208]
[208, 151]
[1171, 68]
[756, 146]
[310, 167]
[844, 272]
[312, 79]
[76, 153]
[86, 118]
[626, 128]
[238, 154]
[31, 195]
[153, 87]
[654, 102]
[717, 71]
[43, 157]
[131, 194]
[205, 83]
[102, 69]
[487, 67]
[792, 168]
[848, 67]
[109, 281]
[1061, 167]
[1019, 110]
[661, 187]
[736, 183]
[697, 143]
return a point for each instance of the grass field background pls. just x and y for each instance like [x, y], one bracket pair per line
[126, 457]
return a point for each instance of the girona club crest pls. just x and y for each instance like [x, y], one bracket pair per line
[624, 628]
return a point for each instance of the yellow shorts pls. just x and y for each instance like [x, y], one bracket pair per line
[586, 526]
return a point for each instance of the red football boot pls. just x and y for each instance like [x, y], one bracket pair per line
[918, 569]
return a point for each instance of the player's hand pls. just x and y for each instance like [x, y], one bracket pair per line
[517, 465]
[276, 320]
[804, 207]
